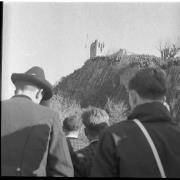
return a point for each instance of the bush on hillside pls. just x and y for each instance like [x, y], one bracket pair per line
[173, 91]
[67, 107]
[64, 106]
[117, 111]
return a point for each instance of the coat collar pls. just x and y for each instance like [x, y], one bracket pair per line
[151, 112]
[93, 141]
[22, 96]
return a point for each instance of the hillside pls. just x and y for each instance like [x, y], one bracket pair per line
[102, 82]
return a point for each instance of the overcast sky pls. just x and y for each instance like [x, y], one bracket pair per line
[57, 36]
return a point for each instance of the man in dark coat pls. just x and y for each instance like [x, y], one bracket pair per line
[32, 141]
[95, 121]
[123, 150]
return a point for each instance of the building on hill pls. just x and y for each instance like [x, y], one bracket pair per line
[97, 49]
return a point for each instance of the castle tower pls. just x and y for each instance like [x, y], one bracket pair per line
[96, 49]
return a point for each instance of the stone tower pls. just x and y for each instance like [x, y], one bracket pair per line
[96, 49]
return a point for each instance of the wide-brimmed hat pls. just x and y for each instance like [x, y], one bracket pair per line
[35, 76]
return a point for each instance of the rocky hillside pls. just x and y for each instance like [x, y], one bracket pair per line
[102, 81]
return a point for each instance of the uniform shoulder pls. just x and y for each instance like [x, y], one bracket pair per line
[119, 127]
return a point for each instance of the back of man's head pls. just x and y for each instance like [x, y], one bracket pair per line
[149, 83]
[30, 90]
[25, 86]
[95, 120]
[71, 123]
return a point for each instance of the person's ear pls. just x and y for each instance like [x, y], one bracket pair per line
[165, 103]
[133, 98]
[39, 94]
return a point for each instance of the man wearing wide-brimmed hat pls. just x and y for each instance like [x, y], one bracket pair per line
[32, 141]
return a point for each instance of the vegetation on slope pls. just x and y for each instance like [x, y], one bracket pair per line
[102, 82]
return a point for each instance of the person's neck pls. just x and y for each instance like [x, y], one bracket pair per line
[142, 101]
[28, 94]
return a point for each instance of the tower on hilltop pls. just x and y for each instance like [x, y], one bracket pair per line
[96, 49]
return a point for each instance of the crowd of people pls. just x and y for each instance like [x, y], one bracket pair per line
[34, 143]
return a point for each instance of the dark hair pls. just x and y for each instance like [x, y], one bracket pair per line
[95, 119]
[149, 83]
[71, 123]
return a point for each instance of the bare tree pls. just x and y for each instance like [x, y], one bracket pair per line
[168, 50]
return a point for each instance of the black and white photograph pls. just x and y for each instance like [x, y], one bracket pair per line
[90, 89]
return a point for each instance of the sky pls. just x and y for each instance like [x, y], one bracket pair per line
[57, 36]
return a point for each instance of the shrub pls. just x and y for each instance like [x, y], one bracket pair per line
[173, 93]
[64, 106]
[117, 111]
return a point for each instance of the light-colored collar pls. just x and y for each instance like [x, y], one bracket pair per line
[94, 140]
[72, 136]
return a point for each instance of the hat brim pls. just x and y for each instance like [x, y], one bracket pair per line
[44, 84]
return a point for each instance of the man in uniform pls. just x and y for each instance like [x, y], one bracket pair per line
[124, 151]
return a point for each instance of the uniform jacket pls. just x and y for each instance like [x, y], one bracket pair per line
[32, 142]
[123, 150]
[85, 158]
